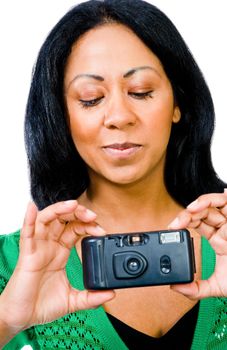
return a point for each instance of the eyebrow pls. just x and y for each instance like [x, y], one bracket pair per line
[85, 75]
[134, 70]
[100, 78]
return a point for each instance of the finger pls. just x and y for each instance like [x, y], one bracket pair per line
[79, 214]
[216, 236]
[49, 223]
[205, 222]
[52, 222]
[185, 219]
[53, 231]
[83, 214]
[181, 221]
[219, 241]
[73, 232]
[203, 229]
[81, 300]
[68, 234]
[68, 239]
[195, 290]
[208, 201]
[27, 230]
[90, 229]
[212, 287]
[54, 211]
[210, 216]
[223, 210]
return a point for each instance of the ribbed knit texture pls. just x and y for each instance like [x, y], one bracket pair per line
[211, 328]
[91, 329]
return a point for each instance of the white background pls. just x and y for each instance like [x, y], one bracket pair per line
[24, 25]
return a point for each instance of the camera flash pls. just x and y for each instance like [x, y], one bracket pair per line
[170, 237]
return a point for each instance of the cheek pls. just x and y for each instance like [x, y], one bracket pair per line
[158, 127]
[83, 127]
[84, 135]
[159, 119]
[83, 140]
[80, 133]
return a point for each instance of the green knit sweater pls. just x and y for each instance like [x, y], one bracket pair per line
[91, 329]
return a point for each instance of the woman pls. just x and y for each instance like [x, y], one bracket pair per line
[118, 128]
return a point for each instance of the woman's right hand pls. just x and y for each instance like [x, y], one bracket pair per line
[39, 291]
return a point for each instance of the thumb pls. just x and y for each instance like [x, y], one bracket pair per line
[194, 290]
[81, 300]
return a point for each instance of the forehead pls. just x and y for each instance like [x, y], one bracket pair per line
[109, 48]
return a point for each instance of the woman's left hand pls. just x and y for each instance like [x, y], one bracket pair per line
[208, 216]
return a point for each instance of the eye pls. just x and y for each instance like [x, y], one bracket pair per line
[141, 95]
[90, 103]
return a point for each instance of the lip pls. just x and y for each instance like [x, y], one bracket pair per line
[122, 150]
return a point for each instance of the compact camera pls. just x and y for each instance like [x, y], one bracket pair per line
[138, 259]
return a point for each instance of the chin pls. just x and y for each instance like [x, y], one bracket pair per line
[125, 180]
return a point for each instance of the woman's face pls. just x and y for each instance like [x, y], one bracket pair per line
[120, 105]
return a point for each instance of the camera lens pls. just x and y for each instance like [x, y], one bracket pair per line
[129, 264]
[134, 264]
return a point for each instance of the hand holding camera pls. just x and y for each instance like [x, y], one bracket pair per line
[39, 290]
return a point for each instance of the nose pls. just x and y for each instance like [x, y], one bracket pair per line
[118, 114]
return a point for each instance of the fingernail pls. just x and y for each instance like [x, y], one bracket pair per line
[174, 223]
[193, 204]
[90, 213]
[225, 190]
[99, 230]
[69, 203]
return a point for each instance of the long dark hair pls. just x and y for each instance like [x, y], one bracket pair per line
[57, 171]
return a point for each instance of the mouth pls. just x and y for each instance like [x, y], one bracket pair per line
[122, 150]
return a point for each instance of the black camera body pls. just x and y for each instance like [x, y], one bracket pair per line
[138, 259]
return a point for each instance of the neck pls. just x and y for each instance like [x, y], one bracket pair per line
[124, 208]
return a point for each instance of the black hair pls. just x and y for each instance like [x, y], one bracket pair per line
[57, 171]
